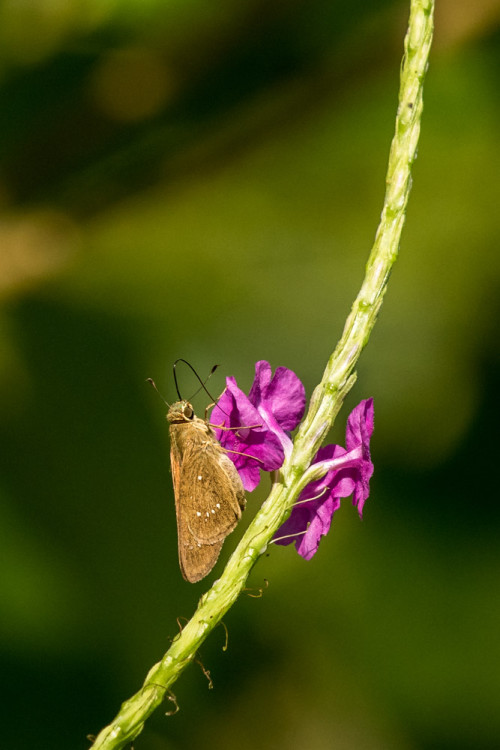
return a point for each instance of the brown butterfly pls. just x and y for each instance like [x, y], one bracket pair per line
[209, 495]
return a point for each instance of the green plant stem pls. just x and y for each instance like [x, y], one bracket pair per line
[326, 401]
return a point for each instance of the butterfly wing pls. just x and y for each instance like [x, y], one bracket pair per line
[213, 496]
[209, 496]
[196, 559]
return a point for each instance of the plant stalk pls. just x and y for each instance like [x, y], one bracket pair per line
[325, 404]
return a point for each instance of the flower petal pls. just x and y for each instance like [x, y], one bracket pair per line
[359, 427]
[307, 524]
[319, 526]
[359, 430]
[283, 396]
[261, 381]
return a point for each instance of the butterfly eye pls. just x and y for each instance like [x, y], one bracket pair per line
[188, 411]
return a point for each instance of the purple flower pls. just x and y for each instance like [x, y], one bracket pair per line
[273, 407]
[348, 473]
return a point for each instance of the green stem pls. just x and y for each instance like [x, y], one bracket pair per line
[326, 401]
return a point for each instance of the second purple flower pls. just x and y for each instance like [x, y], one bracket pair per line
[348, 473]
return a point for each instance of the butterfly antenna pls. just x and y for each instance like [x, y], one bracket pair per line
[153, 384]
[202, 383]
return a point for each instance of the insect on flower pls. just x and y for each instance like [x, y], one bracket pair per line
[209, 494]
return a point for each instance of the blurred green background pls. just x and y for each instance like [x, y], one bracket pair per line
[204, 180]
